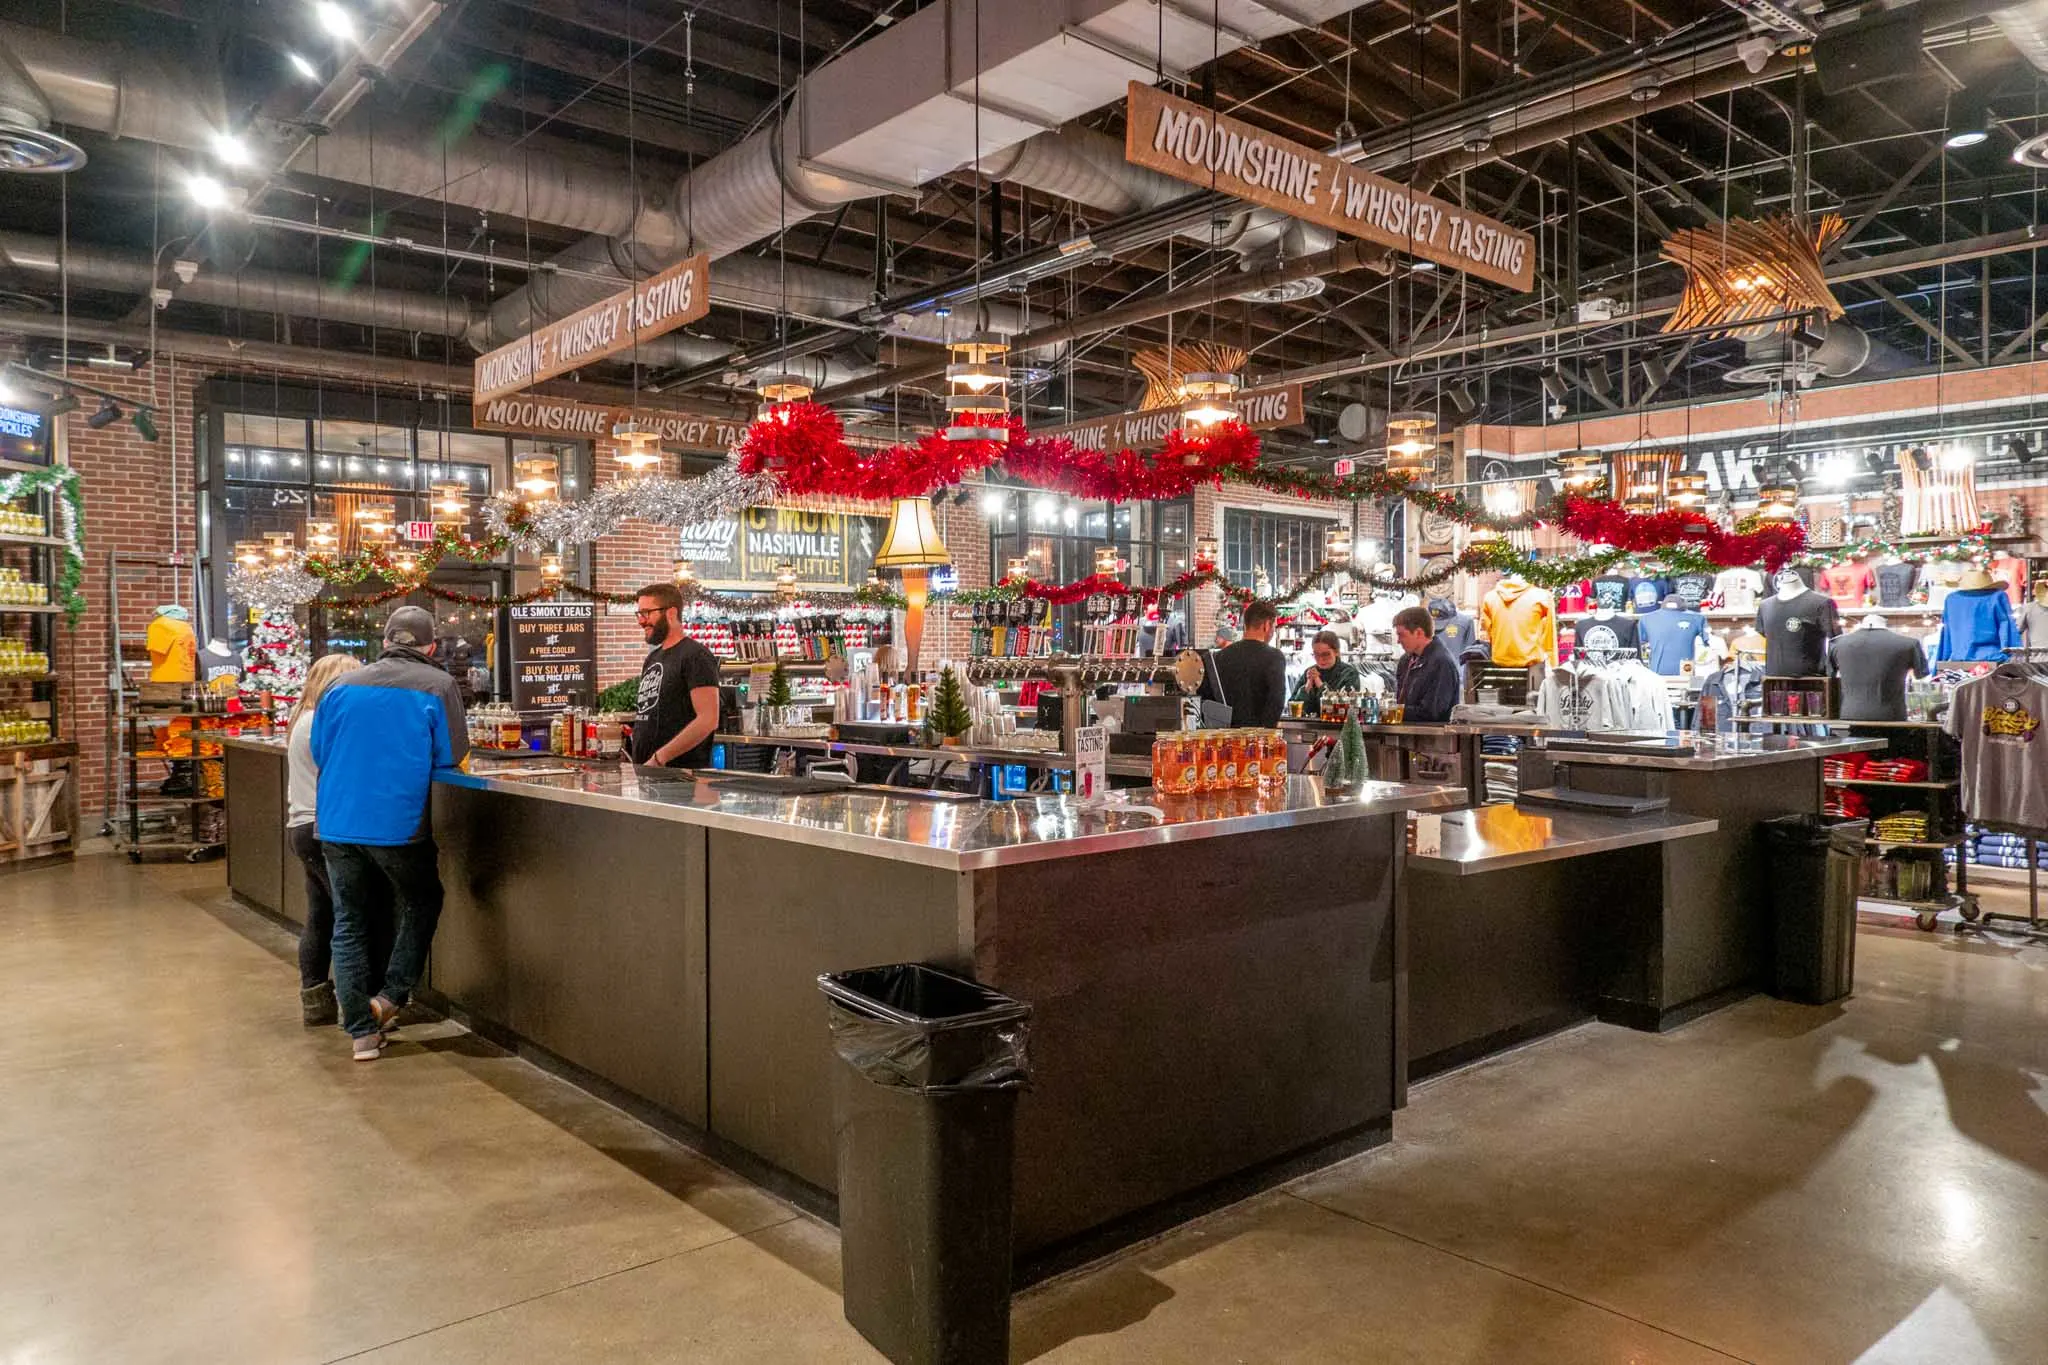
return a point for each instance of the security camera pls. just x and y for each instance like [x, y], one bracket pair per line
[1756, 52]
[161, 298]
[186, 271]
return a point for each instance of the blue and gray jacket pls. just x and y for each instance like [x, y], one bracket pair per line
[378, 736]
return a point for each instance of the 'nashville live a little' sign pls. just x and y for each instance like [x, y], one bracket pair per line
[1175, 137]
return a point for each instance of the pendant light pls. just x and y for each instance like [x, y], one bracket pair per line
[536, 477]
[1337, 544]
[1206, 553]
[785, 579]
[1581, 471]
[376, 519]
[686, 573]
[777, 391]
[1017, 567]
[278, 544]
[450, 504]
[249, 553]
[637, 448]
[551, 569]
[1777, 501]
[322, 536]
[1210, 399]
[1411, 444]
[1687, 492]
[1107, 561]
[978, 379]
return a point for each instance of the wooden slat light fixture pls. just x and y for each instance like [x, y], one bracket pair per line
[1742, 270]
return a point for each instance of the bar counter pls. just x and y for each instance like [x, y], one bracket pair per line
[1201, 1028]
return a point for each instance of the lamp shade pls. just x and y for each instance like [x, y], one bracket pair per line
[913, 538]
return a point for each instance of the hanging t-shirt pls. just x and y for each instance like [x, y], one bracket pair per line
[1976, 625]
[1647, 594]
[173, 650]
[1849, 584]
[1739, 589]
[1895, 584]
[2013, 574]
[1610, 593]
[1520, 621]
[1672, 637]
[2034, 624]
[1693, 589]
[1873, 666]
[1572, 598]
[1997, 719]
[1615, 634]
[1796, 634]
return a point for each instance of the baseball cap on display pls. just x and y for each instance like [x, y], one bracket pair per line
[412, 626]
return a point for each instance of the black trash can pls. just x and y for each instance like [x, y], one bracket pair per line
[924, 1107]
[1814, 867]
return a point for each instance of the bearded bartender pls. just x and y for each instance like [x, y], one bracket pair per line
[676, 708]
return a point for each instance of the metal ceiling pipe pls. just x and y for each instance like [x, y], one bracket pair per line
[255, 291]
[1346, 255]
[2026, 28]
[114, 91]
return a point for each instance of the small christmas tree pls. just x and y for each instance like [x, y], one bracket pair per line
[276, 662]
[948, 717]
[778, 687]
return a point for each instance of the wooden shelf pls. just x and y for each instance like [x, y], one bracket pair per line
[14, 538]
[1913, 843]
[1878, 782]
[30, 608]
[23, 467]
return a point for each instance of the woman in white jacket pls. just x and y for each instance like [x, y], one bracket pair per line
[316, 992]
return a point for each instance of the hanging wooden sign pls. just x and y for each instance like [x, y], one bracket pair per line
[1260, 409]
[660, 303]
[1179, 138]
[565, 417]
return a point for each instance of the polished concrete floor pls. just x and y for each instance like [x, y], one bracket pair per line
[191, 1176]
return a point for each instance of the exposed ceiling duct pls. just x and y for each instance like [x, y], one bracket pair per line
[1780, 357]
[114, 91]
[26, 142]
[2026, 28]
[954, 84]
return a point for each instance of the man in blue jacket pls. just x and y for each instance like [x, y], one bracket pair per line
[379, 735]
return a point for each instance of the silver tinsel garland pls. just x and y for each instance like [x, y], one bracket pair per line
[274, 587]
[657, 498]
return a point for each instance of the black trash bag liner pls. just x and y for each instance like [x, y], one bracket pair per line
[1816, 832]
[913, 1027]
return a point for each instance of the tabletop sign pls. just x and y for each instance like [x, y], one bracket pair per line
[554, 655]
[538, 416]
[1179, 138]
[1260, 409]
[660, 303]
[1091, 761]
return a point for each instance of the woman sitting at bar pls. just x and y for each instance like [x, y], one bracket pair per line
[1426, 684]
[1329, 673]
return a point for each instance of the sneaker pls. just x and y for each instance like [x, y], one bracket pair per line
[369, 1047]
[385, 1013]
[317, 1006]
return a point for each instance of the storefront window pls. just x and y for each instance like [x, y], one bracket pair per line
[1282, 548]
[1061, 535]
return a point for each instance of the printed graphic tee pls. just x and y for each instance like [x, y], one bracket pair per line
[662, 707]
[1796, 634]
[1997, 721]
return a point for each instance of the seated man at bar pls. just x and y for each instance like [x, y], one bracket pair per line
[677, 704]
[1426, 684]
[1329, 673]
[1252, 673]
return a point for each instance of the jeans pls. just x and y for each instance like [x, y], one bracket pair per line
[316, 940]
[368, 880]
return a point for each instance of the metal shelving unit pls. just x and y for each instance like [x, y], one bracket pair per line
[38, 786]
[139, 816]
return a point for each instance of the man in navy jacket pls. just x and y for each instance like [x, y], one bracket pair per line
[379, 735]
[1426, 682]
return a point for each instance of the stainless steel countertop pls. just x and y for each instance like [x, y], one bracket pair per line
[1715, 752]
[1459, 728]
[1123, 765]
[957, 836]
[1489, 838]
[268, 743]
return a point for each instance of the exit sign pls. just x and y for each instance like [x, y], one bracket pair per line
[419, 532]
[1343, 468]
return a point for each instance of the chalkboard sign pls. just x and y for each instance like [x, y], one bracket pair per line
[554, 655]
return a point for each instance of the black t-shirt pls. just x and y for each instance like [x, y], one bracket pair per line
[1873, 665]
[1693, 589]
[1616, 634]
[1895, 584]
[663, 708]
[1610, 593]
[1796, 634]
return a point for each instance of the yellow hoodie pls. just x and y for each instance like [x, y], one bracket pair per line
[1521, 623]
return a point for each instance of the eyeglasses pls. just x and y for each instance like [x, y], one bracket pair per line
[650, 614]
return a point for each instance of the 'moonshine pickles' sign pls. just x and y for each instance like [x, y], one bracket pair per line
[1175, 137]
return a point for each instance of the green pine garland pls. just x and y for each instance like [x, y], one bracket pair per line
[69, 589]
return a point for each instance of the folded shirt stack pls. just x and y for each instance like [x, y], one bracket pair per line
[1906, 827]
[1843, 804]
[1894, 770]
[1844, 768]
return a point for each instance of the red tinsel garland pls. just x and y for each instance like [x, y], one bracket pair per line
[1601, 522]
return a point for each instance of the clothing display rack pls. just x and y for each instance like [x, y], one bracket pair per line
[144, 734]
[1997, 717]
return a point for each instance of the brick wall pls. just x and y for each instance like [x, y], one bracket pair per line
[138, 500]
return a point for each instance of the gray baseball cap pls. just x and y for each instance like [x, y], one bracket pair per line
[412, 626]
